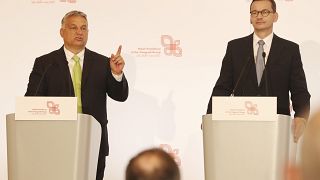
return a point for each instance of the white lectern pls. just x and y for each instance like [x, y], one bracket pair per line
[53, 149]
[245, 149]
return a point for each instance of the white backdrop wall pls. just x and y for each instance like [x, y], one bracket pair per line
[168, 93]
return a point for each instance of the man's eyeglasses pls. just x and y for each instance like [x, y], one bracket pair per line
[264, 13]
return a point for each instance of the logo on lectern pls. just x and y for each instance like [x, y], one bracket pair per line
[53, 108]
[251, 108]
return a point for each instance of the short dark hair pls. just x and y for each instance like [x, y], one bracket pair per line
[273, 4]
[152, 164]
[73, 13]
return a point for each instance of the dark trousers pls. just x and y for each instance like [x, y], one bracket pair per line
[100, 167]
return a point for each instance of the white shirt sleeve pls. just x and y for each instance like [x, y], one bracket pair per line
[117, 77]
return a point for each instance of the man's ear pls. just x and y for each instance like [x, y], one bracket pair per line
[61, 32]
[276, 15]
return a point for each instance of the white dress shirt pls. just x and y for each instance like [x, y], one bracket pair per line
[266, 47]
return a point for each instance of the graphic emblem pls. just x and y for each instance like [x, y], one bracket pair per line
[171, 46]
[53, 108]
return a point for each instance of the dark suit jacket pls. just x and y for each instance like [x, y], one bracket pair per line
[284, 73]
[97, 83]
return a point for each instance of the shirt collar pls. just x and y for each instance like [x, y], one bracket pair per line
[267, 40]
[69, 54]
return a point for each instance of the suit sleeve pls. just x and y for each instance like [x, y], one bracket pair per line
[300, 96]
[224, 84]
[116, 90]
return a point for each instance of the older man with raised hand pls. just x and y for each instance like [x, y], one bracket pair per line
[74, 70]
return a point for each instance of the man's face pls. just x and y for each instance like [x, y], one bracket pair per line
[74, 32]
[260, 19]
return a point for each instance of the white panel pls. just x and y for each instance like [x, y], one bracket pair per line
[168, 94]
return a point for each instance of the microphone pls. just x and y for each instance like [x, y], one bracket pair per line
[240, 77]
[41, 79]
[265, 74]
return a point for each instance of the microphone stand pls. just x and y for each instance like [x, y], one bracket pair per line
[41, 79]
[240, 77]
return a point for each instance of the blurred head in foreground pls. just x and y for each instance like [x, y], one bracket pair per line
[152, 164]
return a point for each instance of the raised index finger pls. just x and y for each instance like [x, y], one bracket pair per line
[119, 50]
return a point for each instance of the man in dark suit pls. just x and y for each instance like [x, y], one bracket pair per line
[54, 74]
[283, 71]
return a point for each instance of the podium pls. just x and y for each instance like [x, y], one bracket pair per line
[53, 149]
[245, 149]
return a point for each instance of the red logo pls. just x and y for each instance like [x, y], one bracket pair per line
[52, 1]
[171, 47]
[172, 152]
[251, 108]
[69, 1]
[53, 108]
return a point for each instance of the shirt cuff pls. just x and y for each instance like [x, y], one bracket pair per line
[118, 77]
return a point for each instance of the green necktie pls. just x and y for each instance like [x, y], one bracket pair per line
[77, 73]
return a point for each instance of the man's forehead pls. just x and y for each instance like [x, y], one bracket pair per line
[76, 24]
[261, 4]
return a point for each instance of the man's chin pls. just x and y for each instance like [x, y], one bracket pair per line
[79, 45]
[259, 28]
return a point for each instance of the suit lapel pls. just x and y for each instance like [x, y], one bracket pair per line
[65, 72]
[252, 66]
[275, 50]
[87, 66]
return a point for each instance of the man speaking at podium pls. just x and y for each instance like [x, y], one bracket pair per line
[263, 64]
[74, 70]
